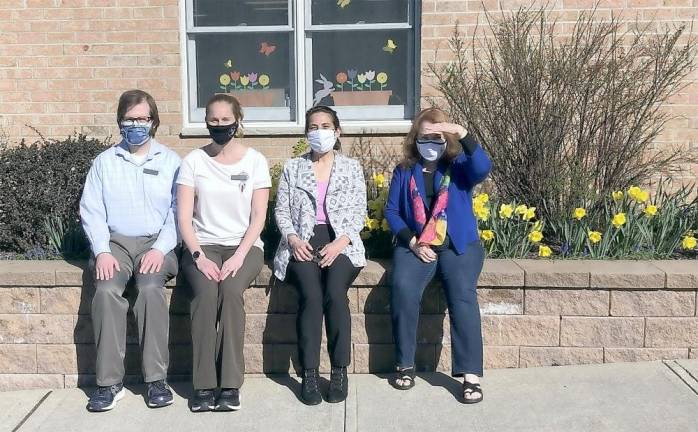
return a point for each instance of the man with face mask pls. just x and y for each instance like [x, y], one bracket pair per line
[127, 211]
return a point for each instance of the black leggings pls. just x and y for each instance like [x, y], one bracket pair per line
[323, 290]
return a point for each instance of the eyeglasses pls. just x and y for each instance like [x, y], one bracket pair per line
[138, 121]
[323, 127]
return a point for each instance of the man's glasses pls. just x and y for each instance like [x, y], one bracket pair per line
[137, 121]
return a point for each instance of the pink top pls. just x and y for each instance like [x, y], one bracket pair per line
[321, 216]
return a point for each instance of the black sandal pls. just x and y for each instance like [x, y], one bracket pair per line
[403, 375]
[470, 388]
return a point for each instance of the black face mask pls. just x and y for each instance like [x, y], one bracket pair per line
[222, 134]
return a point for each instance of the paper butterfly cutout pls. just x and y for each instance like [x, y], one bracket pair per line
[390, 46]
[266, 48]
[343, 3]
[228, 64]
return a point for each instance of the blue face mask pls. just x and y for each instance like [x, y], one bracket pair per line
[135, 135]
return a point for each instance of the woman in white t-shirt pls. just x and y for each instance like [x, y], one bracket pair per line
[222, 195]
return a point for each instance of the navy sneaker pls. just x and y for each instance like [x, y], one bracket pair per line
[159, 394]
[204, 400]
[105, 398]
[228, 400]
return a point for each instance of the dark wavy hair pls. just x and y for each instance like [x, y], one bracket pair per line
[409, 148]
[327, 110]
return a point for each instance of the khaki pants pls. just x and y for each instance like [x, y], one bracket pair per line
[218, 318]
[109, 309]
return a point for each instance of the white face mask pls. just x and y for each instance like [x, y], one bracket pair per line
[322, 140]
[431, 149]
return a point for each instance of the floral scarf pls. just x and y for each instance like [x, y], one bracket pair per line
[432, 231]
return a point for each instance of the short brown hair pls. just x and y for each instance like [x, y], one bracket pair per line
[409, 148]
[131, 98]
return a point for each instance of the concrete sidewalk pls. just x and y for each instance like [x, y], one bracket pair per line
[637, 397]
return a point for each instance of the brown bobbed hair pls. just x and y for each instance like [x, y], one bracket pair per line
[131, 98]
[409, 148]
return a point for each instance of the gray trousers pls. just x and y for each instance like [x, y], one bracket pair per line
[109, 309]
[218, 318]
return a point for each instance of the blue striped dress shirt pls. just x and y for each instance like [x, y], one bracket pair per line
[131, 198]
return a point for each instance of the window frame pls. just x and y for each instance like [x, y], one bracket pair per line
[290, 120]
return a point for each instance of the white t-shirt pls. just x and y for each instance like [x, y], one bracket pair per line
[223, 195]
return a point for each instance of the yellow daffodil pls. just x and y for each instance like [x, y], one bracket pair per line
[651, 210]
[384, 225]
[264, 80]
[224, 79]
[689, 242]
[638, 194]
[379, 180]
[617, 195]
[544, 251]
[382, 78]
[579, 213]
[371, 224]
[506, 211]
[482, 198]
[618, 220]
[538, 226]
[520, 209]
[530, 214]
[535, 237]
[594, 236]
[487, 235]
[482, 213]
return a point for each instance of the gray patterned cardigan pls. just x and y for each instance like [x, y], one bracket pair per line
[296, 206]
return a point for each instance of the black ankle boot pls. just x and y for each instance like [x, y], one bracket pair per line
[339, 385]
[310, 391]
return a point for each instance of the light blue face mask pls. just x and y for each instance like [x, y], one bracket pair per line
[135, 135]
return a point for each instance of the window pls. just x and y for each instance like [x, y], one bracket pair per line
[281, 57]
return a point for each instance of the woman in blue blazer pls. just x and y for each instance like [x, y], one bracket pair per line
[429, 210]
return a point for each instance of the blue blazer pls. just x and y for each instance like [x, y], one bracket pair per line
[467, 170]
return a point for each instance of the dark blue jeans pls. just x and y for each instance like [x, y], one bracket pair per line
[459, 274]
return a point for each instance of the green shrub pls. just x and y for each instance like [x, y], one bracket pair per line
[568, 119]
[40, 189]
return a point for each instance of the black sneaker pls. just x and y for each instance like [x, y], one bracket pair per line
[159, 394]
[105, 398]
[339, 385]
[310, 388]
[204, 400]
[228, 400]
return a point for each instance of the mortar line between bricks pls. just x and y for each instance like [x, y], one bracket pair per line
[26, 417]
[680, 377]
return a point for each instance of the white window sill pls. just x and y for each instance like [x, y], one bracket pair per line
[399, 127]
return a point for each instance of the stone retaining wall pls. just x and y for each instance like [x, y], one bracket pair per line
[535, 313]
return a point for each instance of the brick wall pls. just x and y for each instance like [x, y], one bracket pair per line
[534, 313]
[63, 63]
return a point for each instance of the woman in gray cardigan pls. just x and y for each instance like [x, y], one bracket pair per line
[320, 211]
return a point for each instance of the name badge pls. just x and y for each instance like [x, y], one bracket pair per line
[242, 178]
[150, 171]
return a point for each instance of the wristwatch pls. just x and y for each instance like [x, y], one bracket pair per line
[195, 255]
